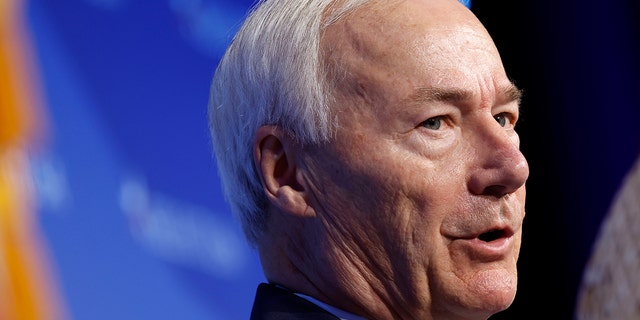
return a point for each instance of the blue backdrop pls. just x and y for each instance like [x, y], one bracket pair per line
[129, 198]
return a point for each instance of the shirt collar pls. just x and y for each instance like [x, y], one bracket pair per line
[343, 315]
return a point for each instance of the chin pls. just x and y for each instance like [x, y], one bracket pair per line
[478, 292]
[480, 307]
[484, 306]
[493, 290]
[499, 301]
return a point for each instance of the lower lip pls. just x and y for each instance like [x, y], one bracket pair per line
[486, 251]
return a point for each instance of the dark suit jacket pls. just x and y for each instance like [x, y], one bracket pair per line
[276, 303]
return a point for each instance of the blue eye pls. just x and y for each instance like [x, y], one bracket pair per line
[502, 119]
[433, 123]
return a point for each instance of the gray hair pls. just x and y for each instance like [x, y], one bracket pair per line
[271, 74]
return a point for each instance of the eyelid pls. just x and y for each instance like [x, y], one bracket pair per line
[510, 116]
[446, 120]
[511, 110]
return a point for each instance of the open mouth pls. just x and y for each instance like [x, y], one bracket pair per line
[493, 244]
[492, 235]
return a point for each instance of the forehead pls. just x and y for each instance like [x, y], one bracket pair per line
[410, 43]
[379, 25]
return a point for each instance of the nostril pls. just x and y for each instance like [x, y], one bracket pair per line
[495, 191]
[491, 235]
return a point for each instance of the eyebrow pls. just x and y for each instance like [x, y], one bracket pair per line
[508, 93]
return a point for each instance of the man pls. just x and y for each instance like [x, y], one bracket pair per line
[368, 148]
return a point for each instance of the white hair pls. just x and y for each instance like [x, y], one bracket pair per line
[271, 74]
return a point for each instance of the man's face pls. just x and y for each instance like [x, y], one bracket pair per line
[422, 193]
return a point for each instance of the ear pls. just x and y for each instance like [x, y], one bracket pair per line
[275, 154]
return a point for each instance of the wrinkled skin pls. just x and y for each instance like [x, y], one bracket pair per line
[415, 210]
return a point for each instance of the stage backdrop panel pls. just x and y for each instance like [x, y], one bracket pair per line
[128, 197]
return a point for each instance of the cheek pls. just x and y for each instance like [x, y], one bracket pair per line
[522, 194]
[429, 196]
[353, 192]
[390, 185]
[515, 138]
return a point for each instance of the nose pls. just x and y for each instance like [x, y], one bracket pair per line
[499, 168]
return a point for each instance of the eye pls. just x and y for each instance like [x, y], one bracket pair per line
[433, 123]
[503, 119]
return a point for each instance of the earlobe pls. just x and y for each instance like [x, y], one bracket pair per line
[275, 160]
